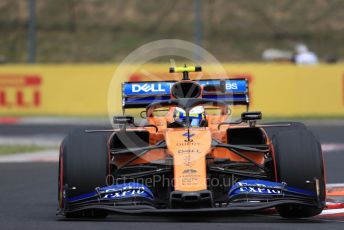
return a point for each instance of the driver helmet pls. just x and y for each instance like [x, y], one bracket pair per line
[196, 115]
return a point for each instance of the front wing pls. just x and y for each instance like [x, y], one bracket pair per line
[135, 198]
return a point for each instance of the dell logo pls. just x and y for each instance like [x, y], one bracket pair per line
[154, 88]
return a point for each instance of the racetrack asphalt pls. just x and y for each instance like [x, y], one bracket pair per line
[28, 199]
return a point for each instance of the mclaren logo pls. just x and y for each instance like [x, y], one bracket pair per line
[154, 88]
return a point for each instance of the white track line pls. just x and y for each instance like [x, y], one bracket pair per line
[41, 156]
[330, 147]
[335, 185]
[332, 211]
[38, 140]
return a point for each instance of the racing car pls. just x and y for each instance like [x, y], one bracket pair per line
[188, 157]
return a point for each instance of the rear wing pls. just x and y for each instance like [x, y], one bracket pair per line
[141, 94]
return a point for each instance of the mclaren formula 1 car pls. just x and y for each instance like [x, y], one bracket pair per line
[188, 157]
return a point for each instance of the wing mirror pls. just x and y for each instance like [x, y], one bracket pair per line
[123, 120]
[251, 117]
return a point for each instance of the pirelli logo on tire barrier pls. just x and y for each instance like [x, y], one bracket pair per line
[20, 91]
[81, 90]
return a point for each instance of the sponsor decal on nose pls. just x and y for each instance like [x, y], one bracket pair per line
[186, 134]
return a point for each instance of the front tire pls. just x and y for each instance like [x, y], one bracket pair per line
[299, 162]
[84, 166]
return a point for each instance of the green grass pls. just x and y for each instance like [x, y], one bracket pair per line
[10, 149]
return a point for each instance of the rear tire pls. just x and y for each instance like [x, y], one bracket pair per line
[298, 158]
[84, 166]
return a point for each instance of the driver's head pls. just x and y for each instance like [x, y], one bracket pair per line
[196, 115]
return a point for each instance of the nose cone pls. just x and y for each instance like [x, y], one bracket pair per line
[189, 150]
